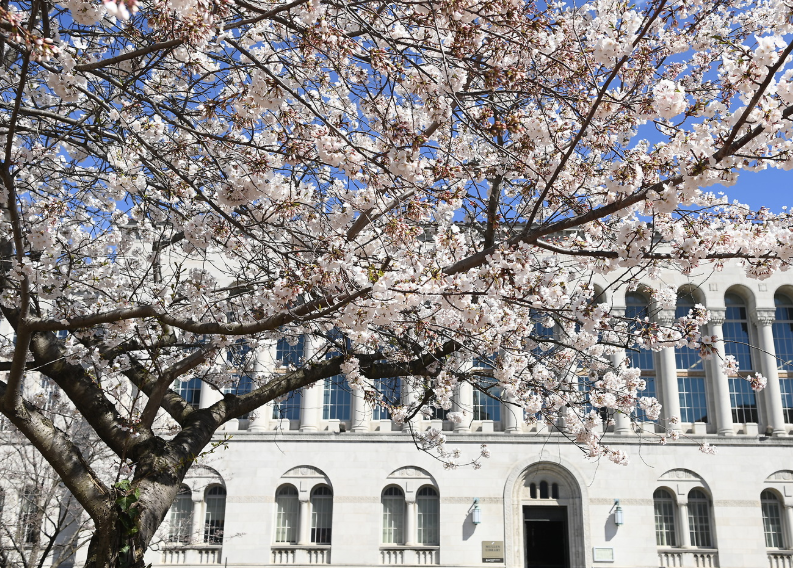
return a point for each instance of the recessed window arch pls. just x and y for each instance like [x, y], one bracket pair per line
[393, 500]
[215, 517]
[664, 509]
[699, 519]
[180, 518]
[429, 513]
[783, 346]
[737, 344]
[772, 519]
[321, 514]
[287, 514]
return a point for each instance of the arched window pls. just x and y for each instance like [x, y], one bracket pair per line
[544, 490]
[180, 519]
[393, 516]
[321, 514]
[783, 344]
[772, 519]
[215, 516]
[664, 506]
[736, 343]
[287, 514]
[699, 519]
[429, 516]
[533, 490]
[555, 491]
[690, 373]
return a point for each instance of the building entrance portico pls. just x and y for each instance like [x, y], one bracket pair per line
[544, 517]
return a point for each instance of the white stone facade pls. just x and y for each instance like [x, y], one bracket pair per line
[711, 511]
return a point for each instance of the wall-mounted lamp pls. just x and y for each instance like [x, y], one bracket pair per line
[618, 514]
[476, 512]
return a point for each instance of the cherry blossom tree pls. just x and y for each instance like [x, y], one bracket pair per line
[412, 186]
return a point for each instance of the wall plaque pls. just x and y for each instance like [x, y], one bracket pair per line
[600, 554]
[492, 551]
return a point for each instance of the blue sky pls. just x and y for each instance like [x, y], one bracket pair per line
[772, 188]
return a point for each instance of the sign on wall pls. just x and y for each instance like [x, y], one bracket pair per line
[492, 551]
[602, 554]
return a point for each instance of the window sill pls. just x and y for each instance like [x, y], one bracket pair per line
[402, 554]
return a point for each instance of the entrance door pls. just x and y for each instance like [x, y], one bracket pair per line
[546, 537]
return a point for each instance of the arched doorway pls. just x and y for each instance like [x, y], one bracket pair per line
[544, 518]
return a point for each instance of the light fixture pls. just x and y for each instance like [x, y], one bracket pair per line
[476, 512]
[618, 514]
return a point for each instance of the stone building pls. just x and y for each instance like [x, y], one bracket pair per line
[323, 479]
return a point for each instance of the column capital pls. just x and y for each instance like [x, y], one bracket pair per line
[665, 317]
[764, 316]
[717, 315]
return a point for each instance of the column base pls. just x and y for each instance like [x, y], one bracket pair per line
[724, 432]
[309, 429]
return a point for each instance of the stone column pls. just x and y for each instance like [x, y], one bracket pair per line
[721, 383]
[197, 526]
[304, 528]
[764, 320]
[685, 531]
[789, 525]
[209, 396]
[666, 378]
[513, 415]
[409, 399]
[622, 421]
[411, 515]
[311, 397]
[465, 403]
[262, 364]
[360, 412]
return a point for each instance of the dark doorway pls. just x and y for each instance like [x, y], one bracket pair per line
[546, 537]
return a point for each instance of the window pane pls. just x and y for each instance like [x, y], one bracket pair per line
[243, 385]
[485, 407]
[693, 404]
[215, 516]
[287, 514]
[686, 359]
[190, 391]
[321, 515]
[290, 350]
[786, 386]
[664, 518]
[288, 408]
[336, 399]
[742, 400]
[391, 391]
[393, 516]
[428, 516]
[28, 515]
[180, 518]
[699, 519]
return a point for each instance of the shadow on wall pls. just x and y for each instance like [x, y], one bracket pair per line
[610, 528]
[469, 528]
